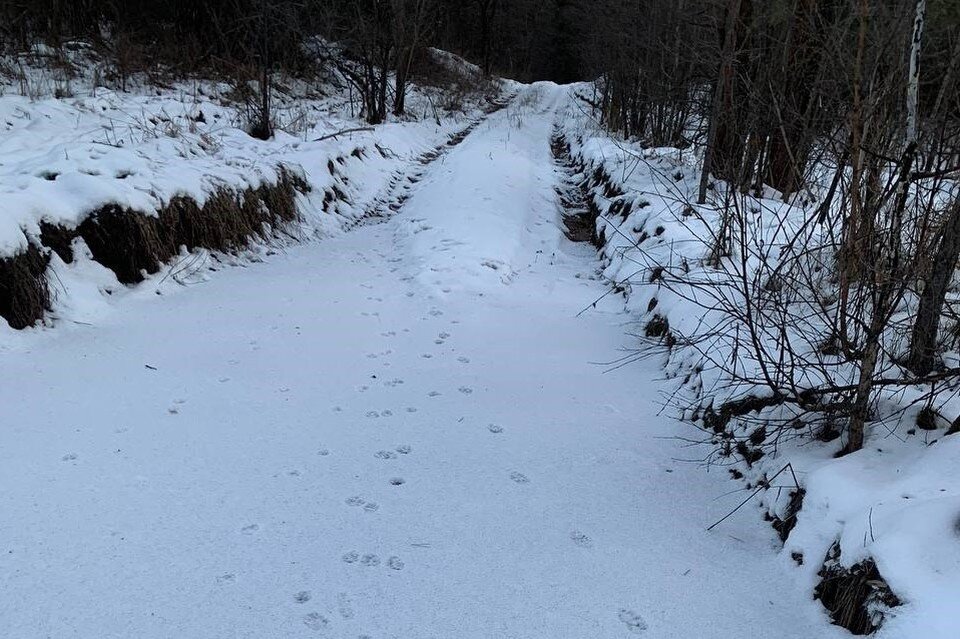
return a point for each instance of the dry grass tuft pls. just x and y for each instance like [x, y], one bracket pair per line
[24, 295]
[132, 243]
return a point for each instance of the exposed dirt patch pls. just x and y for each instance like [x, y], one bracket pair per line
[578, 210]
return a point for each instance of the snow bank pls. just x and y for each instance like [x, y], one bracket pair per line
[66, 157]
[896, 502]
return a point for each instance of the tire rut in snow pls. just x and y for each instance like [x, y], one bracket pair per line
[578, 210]
[400, 187]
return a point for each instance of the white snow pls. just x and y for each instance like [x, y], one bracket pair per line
[399, 431]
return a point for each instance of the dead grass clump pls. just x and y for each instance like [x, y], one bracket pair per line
[857, 597]
[24, 295]
[126, 241]
[131, 243]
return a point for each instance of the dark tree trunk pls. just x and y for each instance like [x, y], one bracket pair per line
[788, 146]
[923, 344]
[729, 143]
[718, 133]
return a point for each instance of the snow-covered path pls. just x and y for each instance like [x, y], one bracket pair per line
[394, 433]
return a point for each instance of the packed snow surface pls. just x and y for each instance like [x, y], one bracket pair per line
[401, 431]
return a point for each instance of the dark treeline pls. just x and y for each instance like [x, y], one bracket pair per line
[525, 39]
[377, 45]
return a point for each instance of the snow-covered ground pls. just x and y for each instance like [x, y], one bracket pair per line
[401, 431]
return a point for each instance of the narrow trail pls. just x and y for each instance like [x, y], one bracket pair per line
[394, 433]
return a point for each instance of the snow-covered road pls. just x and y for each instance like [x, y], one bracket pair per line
[400, 432]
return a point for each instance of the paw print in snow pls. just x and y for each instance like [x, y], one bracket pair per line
[315, 621]
[632, 620]
[580, 539]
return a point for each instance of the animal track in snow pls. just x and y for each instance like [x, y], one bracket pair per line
[634, 622]
[69, 457]
[315, 621]
[385, 454]
[370, 560]
[466, 390]
[463, 360]
[495, 428]
[580, 539]
[302, 597]
[395, 563]
[404, 449]
[433, 394]
[250, 529]
[351, 557]
[344, 606]
[397, 481]
[519, 478]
